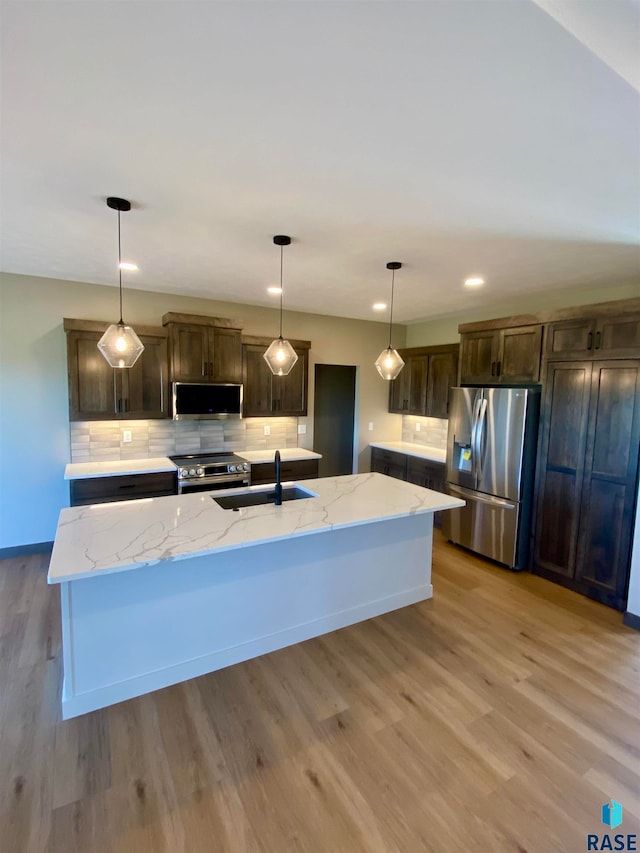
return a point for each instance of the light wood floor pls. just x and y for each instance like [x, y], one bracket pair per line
[499, 716]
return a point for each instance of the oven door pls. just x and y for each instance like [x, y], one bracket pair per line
[215, 481]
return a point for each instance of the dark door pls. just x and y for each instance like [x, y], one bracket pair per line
[520, 350]
[334, 417]
[417, 367]
[190, 360]
[257, 382]
[227, 355]
[478, 356]
[145, 387]
[611, 467]
[563, 445]
[442, 376]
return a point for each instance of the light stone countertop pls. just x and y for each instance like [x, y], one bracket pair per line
[434, 454]
[84, 470]
[116, 537]
[289, 454]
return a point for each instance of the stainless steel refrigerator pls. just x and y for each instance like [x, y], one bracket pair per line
[491, 450]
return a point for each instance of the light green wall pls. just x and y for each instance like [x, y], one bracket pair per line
[34, 428]
[444, 330]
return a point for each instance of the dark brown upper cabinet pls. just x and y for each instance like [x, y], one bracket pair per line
[422, 387]
[203, 349]
[501, 356]
[266, 395]
[100, 392]
[604, 337]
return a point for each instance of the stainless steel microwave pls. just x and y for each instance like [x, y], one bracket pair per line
[206, 401]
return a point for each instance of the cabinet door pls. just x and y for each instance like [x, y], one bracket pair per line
[442, 375]
[595, 338]
[297, 469]
[257, 382]
[289, 393]
[400, 390]
[417, 370]
[610, 476]
[92, 390]
[145, 391]
[617, 336]
[128, 487]
[520, 354]
[428, 474]
[190, 356]
[389, 462]
[227, 354]
[561, 465]
[478, 357]
[570, 338]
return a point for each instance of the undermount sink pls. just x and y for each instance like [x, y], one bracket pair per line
[289, 493]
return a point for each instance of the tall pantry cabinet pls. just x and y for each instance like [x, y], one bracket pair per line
[588, 470]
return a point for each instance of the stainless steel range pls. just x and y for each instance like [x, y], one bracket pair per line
[204, 472]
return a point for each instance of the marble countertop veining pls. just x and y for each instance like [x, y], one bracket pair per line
[435, 454]
[116, 537]
[84, 470]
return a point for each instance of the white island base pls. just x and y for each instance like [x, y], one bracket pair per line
[131, 632]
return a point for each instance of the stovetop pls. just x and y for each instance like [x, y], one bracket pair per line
[224, 458]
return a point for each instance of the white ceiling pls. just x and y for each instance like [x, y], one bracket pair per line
[490, 137]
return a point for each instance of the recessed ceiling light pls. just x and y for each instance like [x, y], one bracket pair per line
[379, 306]
[126, 265]
[474, 281]
[275, 290]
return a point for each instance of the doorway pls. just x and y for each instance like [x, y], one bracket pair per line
[334, 418]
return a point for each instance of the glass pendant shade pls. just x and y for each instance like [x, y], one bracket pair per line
[120, 345]
[281, 357]
[389, 363]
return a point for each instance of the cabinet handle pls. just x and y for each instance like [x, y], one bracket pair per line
[493, 368]
[589, 340]
[499, 368]
[130, 486]
[205, 368]
[597, 340]
[211, 369]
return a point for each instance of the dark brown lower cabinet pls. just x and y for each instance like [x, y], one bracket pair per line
[297, 469]
[430, 475]
[587, 475]
[126, 487]
[389, 462]
[422, 472]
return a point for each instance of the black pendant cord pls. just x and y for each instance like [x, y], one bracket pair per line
[393, 276]
[121, 323]
[281, 255]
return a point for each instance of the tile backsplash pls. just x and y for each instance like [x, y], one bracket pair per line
[433, 431]
[102, 441]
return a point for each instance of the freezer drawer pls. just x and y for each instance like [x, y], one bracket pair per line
[486, 525]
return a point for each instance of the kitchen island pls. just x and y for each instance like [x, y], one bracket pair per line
[157, 591]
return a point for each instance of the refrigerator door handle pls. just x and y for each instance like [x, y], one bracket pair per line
[477, 496]
[474, 434]
[481, 438]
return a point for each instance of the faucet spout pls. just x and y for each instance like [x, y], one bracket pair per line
[278, 489]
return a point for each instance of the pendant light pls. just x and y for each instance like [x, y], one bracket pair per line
[389, 363]
[120, 345]
[280, 355]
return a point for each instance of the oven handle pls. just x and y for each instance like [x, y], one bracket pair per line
[243, 480]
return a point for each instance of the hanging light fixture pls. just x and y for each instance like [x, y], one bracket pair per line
[280, 355]
[389, 363]
[120, 345]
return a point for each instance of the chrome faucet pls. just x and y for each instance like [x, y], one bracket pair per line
[278, 489]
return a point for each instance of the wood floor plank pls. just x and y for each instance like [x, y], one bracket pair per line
[498, 716]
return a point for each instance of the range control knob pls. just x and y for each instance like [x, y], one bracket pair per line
[245, 467]
[232, 469]
[192, 472]
[183, 472]
[200, 472]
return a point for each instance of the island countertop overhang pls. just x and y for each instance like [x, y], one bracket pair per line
[117, 537]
